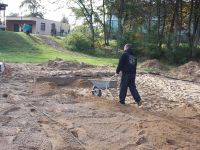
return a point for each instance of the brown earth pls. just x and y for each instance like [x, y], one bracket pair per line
[153, 64]
[189, 71]
[44, 116]
[67, 65]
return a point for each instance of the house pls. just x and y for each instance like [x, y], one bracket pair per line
[39, 26]
[2, 16]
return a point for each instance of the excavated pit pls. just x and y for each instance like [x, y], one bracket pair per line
[52, 109]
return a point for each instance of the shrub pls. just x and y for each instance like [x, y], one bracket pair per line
[198, 51]
[178, 56]
[152, 51]
[77, 41]
[127, 37]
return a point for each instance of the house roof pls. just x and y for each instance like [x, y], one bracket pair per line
[27, 18]
[3, 6]
[21, 18]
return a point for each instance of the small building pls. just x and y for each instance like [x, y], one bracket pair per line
[39, 26]
[2, 16]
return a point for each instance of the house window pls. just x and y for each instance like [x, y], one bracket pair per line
[42, 27]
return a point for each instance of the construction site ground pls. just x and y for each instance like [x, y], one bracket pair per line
[37, 114]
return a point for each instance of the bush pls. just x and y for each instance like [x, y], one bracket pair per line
[178, 56]
[151, 50]
[127, 37]
[198, 51]
[77, 41]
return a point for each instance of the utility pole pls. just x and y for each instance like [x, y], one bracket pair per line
[3, 8]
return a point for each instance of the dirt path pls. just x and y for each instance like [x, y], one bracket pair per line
[54, 44]
[169, 118]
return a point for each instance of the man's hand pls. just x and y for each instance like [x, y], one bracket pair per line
[116, 74]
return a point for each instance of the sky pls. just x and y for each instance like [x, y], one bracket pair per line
[51, 14]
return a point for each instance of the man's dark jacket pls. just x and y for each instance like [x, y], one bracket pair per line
[127, 63]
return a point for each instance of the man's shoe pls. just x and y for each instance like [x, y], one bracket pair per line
[121, 102]
[139, 103]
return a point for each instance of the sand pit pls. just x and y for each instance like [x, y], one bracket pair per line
[70, 117]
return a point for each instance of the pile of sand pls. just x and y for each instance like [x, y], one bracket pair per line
[66, 65]
[153, 63]
[188, 71]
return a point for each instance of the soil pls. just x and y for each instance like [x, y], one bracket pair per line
[153, 64]
[45, 116]
[189, 71]
[66, 65]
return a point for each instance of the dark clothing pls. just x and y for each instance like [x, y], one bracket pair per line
[127, 65]
[128, 80]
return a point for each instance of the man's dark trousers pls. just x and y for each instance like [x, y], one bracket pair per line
[128, 80]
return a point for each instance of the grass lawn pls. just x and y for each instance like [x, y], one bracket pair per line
[18, 47]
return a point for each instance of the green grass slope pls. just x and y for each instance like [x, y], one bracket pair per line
[18, 47]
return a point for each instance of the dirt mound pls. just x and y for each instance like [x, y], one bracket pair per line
[153, 63]
[81, 83]
[66, 65]
[188, 71]
[44, 89]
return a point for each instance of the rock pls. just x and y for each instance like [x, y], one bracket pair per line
[171, 142]
[43, 120]
[5, 95]
[141, 132]
[141, 140]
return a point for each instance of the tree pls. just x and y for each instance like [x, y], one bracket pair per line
[13, 14]
[120, 16]
[34, 8]
[193, 26]
[85, 9]
[163, 25]
[103, 15]
[104, 23]
[64, 19]
[161, 17]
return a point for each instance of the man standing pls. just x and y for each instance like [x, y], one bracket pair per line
[27, 29]
[127, 65]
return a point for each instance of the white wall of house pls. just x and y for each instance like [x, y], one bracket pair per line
[42, 26]
[46, 29]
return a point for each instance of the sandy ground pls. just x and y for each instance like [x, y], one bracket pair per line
[44, 116]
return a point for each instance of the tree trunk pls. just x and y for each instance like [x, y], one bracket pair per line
[149, 20]
[181, 21]
[158, 28]
[104, 24]
[109, 28]
[172, 33]
[196, 20]
[91, 24]
[164, 23]
[190, 36]
[120, 27]
[121, 10]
